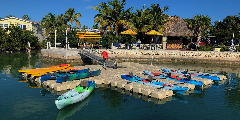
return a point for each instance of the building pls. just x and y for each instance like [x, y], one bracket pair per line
[174, 30]
[25, 25]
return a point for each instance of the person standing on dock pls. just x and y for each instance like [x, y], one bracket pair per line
[105, 57]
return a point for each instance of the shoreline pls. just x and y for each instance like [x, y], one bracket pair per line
[72, 55]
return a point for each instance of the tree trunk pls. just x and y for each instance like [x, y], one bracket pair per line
[199, 36]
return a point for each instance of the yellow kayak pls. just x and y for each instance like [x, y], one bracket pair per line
[30, 70]
[39, 74]
[47, 70]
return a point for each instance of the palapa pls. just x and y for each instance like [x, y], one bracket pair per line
[176, 26]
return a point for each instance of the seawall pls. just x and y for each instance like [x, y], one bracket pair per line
[148, 55]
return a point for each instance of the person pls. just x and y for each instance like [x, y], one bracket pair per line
[209, 42]
[105, 56]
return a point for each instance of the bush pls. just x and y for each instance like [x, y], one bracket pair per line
[224, 49]
[205, 48]
[17, 39]
[238, 49]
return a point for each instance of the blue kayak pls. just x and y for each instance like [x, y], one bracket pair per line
[74, 76]
[177, 89]
[185, 80]
[214, 78]
[53, 76]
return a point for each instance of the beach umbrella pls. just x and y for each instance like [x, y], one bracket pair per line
[128, 32]
[153, 32]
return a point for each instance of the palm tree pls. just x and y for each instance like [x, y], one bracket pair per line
[113, 16]
[102, 18]
[71, 16]
[49, 22]
[26, 17]
[118, 15]
[158, 18]
[201, 23]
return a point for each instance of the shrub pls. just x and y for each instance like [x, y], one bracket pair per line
[238, 49]
[205, 48]
[17, 38]
[224, 49]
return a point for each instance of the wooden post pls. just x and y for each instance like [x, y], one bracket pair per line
[164, 42]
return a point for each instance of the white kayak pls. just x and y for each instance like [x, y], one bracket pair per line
[75, 95]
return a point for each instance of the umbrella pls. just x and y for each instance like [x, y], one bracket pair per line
[153, 32]
[129, 32]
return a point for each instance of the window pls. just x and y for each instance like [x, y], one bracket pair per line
[4, 25]
[24, 27]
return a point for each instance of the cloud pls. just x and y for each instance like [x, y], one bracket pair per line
[89, 7]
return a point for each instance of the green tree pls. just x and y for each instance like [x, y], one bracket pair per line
[71, 16]
[224, 30]
[49, 22]
[17, 38]
[9, 16]
[200, 23]
[157, 17]
[103, 17]
[112, 15]
[3, 38]
[26, 17]
[95, 26]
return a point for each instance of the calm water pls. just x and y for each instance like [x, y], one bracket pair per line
[20, 100]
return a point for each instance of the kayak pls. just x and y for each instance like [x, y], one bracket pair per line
[38, 74]
[31, 70]
[174, 71]
[72, 109]
[53, 76]
[177, 89]
[73, 76]
[47, 70]
[75, 95]
[214, 78]
[175, 78]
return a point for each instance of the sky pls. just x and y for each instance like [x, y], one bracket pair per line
[37, 9]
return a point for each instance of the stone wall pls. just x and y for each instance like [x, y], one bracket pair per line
[202, 56]
[61, 54]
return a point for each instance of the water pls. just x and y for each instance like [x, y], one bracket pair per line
[23, 100]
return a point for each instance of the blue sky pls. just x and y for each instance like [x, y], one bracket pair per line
[37, 9]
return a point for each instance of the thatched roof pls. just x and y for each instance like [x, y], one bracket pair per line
[176, 26]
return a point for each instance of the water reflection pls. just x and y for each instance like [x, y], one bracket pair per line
[221, 100]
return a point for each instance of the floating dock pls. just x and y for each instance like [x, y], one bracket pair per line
[112, 78]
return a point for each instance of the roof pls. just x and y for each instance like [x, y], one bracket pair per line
[176, 26]
[28, 21]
